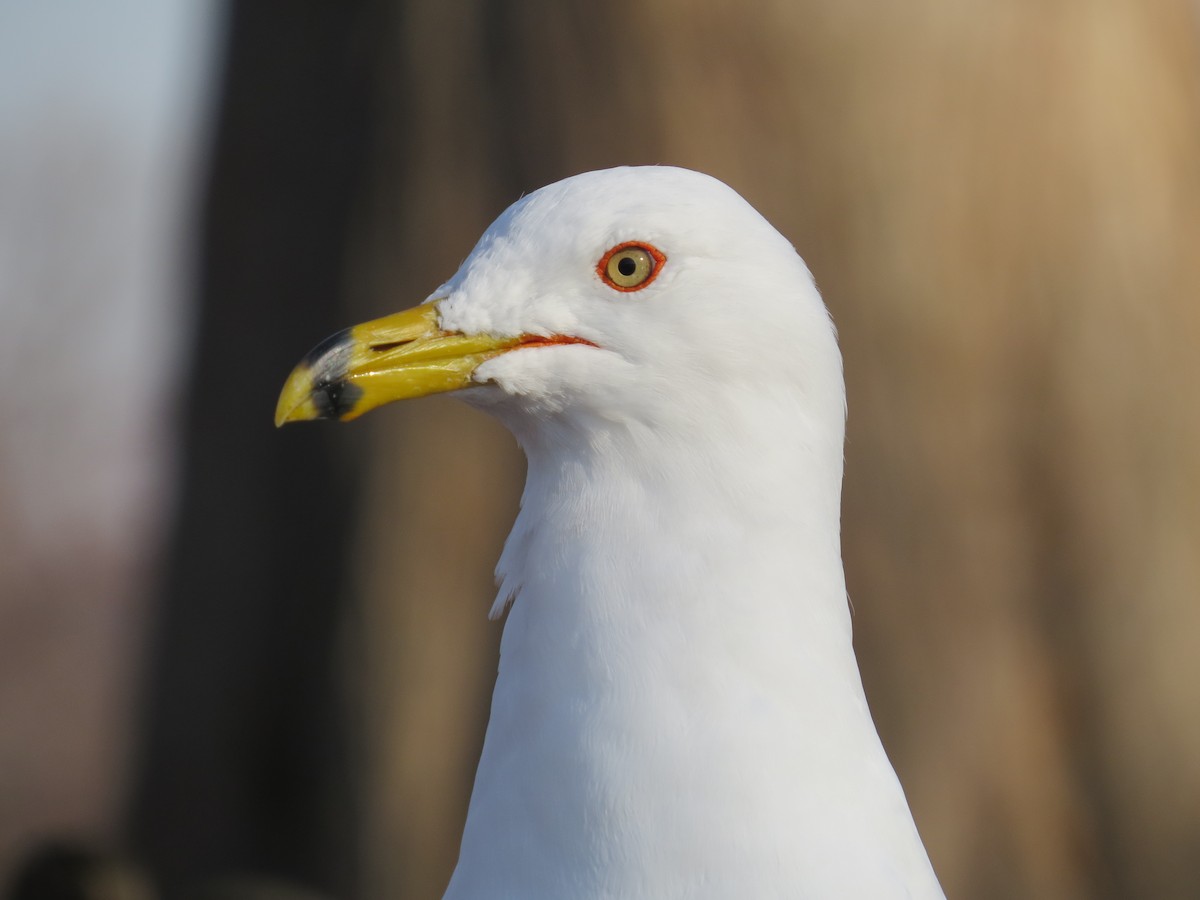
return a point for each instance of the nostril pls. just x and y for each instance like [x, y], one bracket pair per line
[390, 345]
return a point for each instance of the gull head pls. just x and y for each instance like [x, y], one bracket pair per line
[677, 709]
[623, 296]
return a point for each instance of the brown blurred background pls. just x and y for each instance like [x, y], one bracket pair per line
[235, 656]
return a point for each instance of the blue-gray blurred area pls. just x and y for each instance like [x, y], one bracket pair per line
[104, 111]
[236, 662]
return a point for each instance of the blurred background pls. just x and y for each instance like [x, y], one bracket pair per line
[247, 663]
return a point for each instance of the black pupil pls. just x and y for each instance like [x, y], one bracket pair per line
[626, 265]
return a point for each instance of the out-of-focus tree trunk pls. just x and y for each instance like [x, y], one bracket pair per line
[1000, 204]
[245, 764]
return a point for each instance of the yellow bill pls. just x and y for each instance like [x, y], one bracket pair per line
[394, 358]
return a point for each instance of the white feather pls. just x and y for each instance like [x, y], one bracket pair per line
[678, 711]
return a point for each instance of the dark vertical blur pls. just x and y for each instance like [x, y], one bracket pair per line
[245, 762]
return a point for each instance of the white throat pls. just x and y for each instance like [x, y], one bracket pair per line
[678, 711]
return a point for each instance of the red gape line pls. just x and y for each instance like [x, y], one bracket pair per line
[537, 340]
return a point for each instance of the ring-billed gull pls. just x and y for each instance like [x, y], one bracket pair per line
[678, 710]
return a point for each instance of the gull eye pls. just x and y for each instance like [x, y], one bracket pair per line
[630, 266]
